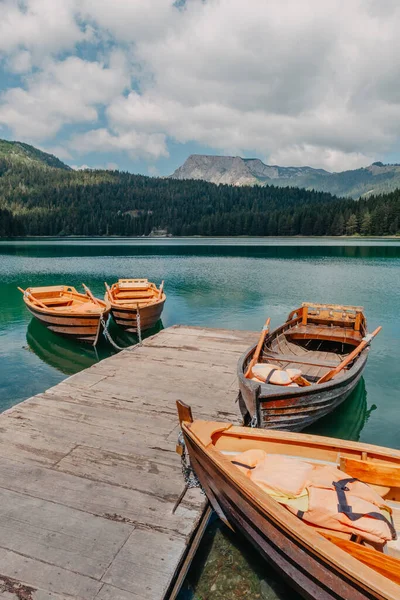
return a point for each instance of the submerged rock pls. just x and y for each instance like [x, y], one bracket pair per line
[226, 567]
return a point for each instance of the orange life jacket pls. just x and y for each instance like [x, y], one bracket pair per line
[327, 497]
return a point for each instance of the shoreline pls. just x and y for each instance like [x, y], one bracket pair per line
[201, 237]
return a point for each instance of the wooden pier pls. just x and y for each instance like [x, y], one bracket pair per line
[89, 475]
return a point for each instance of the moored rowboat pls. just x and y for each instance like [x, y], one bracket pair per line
[66, 312]
[130, 297]
[305, 368]
[318, 561]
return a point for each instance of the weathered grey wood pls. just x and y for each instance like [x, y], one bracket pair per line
[151, 572]
[110, 592]
[89, 473]
[130, 471]
[39, 574]
[53, 533]
[97, 498]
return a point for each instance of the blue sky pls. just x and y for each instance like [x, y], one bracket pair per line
[141, 84]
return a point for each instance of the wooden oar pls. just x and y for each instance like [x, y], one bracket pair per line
[386, 566]
[160, 291]
[90, 295]
[363, 344]
[256, 354]
[33, 298]
[302, 381]
[111, 299]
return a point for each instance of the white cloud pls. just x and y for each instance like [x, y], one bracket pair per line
[295, 82]
[130, 20]
[108, 167]
[20, 62]
[314, 156]
[136, 144]
[59, 151]
[67, 91]
[41, 26]
[80, 167]
[153, 171]
[111, 166]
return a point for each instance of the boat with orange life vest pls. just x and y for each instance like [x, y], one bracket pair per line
[324, 512]
[135, 303]
[305, 368]
[66, 312]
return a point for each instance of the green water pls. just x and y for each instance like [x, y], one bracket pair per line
[215, 283]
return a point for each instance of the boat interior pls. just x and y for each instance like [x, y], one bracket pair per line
[315, 339]
[137, 292]
[57, 298]
[380, 470]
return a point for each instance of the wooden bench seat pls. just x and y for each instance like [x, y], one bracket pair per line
[301, 360]
[57, 301]
[346, 335]
[134, 294]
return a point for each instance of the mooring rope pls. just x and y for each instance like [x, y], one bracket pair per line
[107, 334]
[187, 470]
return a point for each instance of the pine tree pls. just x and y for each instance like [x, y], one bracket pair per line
[338, 225]
[365, 228]
[352, 225]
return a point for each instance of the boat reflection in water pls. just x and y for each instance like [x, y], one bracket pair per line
[71, 357]
[348, 420]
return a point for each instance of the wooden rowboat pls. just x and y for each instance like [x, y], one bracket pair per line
[319, 563]
[128, 297]
[326, 345]
[65, 311]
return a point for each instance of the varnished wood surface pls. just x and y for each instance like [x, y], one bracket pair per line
[127, 296]
[66, 312]
[89, 474]
[317, 340]
[319, 571]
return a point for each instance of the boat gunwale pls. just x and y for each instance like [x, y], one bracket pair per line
[66, 313]
[308, 538]
[131, 304]
[268, 391]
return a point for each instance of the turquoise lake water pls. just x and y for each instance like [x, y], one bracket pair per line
[227, 283]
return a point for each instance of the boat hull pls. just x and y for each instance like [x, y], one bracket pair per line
[293, 409]
[305, 571]
[80, 328]
[126, 317]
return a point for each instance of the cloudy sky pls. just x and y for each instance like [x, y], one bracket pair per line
[141, 84]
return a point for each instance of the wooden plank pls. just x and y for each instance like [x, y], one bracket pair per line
[139, 567]
[183, 571]
[95, 497]
[89, 475]
[288, 358]
[127, 470]
[39, 574]
[110, 592]
[52, 533]
[100, 416]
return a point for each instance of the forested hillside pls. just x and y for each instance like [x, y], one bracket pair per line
[55, 201]
[18, 152]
